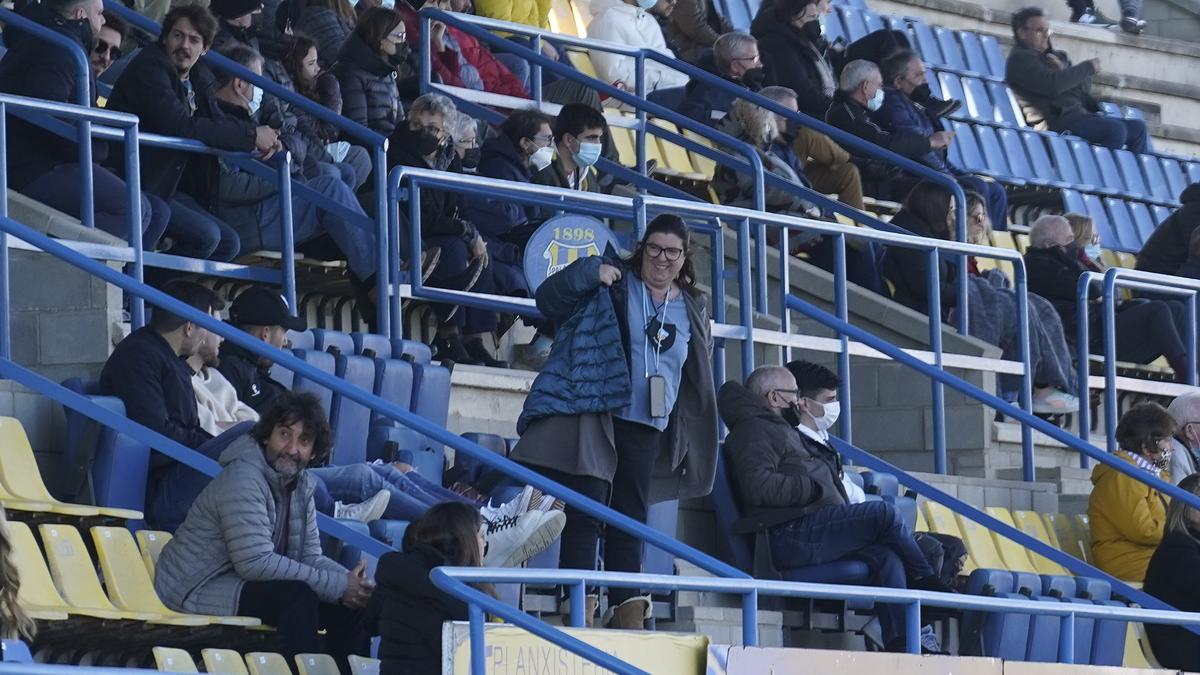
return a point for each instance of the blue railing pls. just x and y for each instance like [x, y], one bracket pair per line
[1111, 279]
[24, 376]
[455, 580]
[475, 26]
[374, 142]
[405, 184]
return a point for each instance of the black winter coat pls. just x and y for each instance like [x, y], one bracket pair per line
[412, 611]
[1053, 273]
[151, 89]
[251, 380]
[38, 69]
[779, 471]
[1167, 247]
[908, 269]
[790, 58]
[370, 95]
[849, 115]
[442, 212]
[1171, 577]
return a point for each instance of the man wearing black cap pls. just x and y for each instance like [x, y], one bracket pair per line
[264, 315]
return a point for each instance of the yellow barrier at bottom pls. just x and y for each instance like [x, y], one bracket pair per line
[724, 660]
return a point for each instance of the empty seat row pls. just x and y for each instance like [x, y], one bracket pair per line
[230, 662]
[988, 549]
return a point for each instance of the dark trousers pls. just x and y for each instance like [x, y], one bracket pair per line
[872, 532]
[298, 614]
[60, 189]
[637, 447]
[196, 233]
[1149, 329]
[1111, 132]
[173, 486]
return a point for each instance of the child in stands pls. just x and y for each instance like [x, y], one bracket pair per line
[411, 609]
[14, 622]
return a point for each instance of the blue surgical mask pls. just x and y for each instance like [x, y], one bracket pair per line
[876, 101]
[646, 4]
[255, 101]
[1092, 251]
[588, 154]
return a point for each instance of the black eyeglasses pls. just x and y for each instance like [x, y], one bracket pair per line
[671, 253]
[114, 51]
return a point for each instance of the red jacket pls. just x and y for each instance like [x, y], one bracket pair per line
[497, 78]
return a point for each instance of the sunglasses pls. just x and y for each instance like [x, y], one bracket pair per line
[114, 51]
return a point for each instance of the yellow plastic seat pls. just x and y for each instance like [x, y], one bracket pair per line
[1004, 239]
[583, 63]
[36, 594]
[22, 480]
[1030, 522]
[267, 663]
[705, 166]
[1133, 658]
[1084, 529]
[922, 525]
[624, 142]
[223, 662]
[129, 585]
[151, 543]
[1063, 530]
[1022, 241]
[172, 660]
[363, 665]
[316, 664]
[75, 575]
[979, 542]
[562, 19]
[1126, 259]
[941, 520]
[676, 156]
[1017, 557]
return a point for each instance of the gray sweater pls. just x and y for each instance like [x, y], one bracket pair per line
[230, 535]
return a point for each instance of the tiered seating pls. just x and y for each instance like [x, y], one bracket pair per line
[230, 662]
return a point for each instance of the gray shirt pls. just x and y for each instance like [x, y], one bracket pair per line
[648, 357]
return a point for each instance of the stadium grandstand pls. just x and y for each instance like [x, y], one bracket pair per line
[580, 336]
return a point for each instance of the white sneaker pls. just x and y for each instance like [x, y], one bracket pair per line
[365, 512]
[510, 509]
[513, 540]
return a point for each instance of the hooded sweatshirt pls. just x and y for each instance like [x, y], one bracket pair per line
[251, 523]
[1126, 517]
[629, 25]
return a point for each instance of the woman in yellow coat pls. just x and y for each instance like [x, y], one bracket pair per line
[1126, 515]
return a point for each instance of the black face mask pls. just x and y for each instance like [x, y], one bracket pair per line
[1071, 250]
[754, 78]
[921, 93]
[426, 143]
[470, 158]
[791, 415]
[401, 55]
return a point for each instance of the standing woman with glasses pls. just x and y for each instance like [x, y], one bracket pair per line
[624, 410]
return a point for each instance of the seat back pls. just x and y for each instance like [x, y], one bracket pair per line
[151, 543]
[880, 483]
[1193, 171]
[393, 383]
[993, 155]
[1063, 530]
[995, 57]
[1110, 175]
[951, 54]
[1108, 234]
[973, 51]
[37, 587]
[1122, 223]
[1173, 172]
[431, 400]
[951, 87]
[380, 344]
[1007, 109]
[267, 663]
[1035, 145]
[1084, 528]
[995, 634]
[351, 420]
[1093, 588]
[732, 547]
[979, 103]
[223, 661]
[1131, 172]
[125, 576]
[1142, 220]
[172, 660]
[302, 339]
[19, 471]
[964, 139]
[1108, 639]
[322, 361]
[1058, 586]
[324, 338]
[1013, 554]
[1156, 180]
[72, 567]
[1086, 161]
[1014, 152]
[1030, 522]
[316, 664]
[852, 19]
[941, 520]
[1064, 161]
[663, 517]
[926, 43]
[362, 665]
[979, 542]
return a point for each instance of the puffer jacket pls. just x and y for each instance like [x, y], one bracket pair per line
[1126, 517]
[328, 29]
[502, 160]
[534, 13]
[781, 474]
[412, 611]
[587, 369]
[1167, 248]
[233, 532]
[370, 95]
[795, 58]
[1057, 97]
[899, 114]
[616, 21]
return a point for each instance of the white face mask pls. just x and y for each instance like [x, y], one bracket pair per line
[542, 158]
[255, 101]
[1092, 251]
[876, 101]
[831, 411]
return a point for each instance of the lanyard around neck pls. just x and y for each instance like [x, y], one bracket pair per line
[646, 302]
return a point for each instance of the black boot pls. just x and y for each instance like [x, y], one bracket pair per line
[450, 348]
[479, 353]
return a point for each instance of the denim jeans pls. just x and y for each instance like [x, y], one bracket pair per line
[196, 233]
[59, 189]
[1111, 132]
[356, 240]
[174, 487]
[411, 493]
[872, 532]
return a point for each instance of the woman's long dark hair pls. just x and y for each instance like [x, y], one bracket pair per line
[930, 204]
[375, 24]
[668, 224]
[293, 62]
[450, 528]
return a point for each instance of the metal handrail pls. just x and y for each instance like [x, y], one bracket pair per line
[375, 142]
[1111, 279]
[455, 580]
[335, 384]
[638, 208]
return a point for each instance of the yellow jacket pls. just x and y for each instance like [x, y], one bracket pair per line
[534, 13]
[1126, 517]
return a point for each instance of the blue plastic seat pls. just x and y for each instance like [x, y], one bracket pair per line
[1123, 225]
[379, 344]
[880, 483]
[972, 158]
[322, 361]
[417, 352]
[351, 420]
[833, 30]
[855, 477]
[1093, 588]
[1133, 112]
[1064, 163]
[1108, 234]
[1108, 639]
[952, 56]
[431, 400]
[1110, 109]
[973, 51]
[323, 339]
[16, 651]
[979, 102]
[926, 43]
[1193, 172]
[1089, 173]
[852, 20]
[1142, 220]
[1131, 173]
[1058, 586]
[1161, 212]
[994, 155]
[1007, 110]
[467, 469]
[1176, 181]
[906, 507]
[664, 518]
[120, 465]
[393, 383]
[1110, 174]
[995, 58]
[301, 339]
[1018, 158]
[872, 20]
[996, 634]
[951, 87]
[1156, 180]
[1035, 145]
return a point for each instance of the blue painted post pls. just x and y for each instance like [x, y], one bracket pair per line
[535, 75]
[745, 309]
[750, 619]
[394, 309]
[579, 605]
[640, 219]
[133, 185]
[935, 344]
[1066, 639]
[1081, 365]
[718, 300]
[1027, 458]
[760, 267]
[912, 627]
[5, 326]
[87, 199]
[424, 56]
[785, 287]
[1110, 363]
[478, 648]
[1191, 337]
[382, 243]
[841, 307]
[639, 84]
[288, 243]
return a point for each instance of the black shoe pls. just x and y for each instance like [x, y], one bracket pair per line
[477, 352]
[429, 261]
[1133, 25]
[1091, 16]
[451, 349]
[463, 281]
[931, 583]
[939, 108]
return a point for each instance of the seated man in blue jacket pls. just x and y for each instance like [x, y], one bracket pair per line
[734, 58]
[904, 79]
